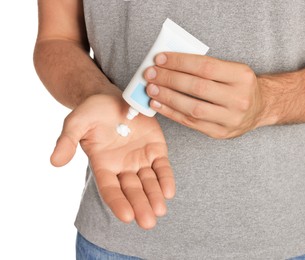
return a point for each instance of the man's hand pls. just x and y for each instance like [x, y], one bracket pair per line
[132, 173]
[219, 98]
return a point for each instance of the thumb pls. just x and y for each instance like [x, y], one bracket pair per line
[64, 150]
[74, 129]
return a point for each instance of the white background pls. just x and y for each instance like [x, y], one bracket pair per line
[38, 203]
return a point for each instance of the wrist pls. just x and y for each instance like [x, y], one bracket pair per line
[281, 96]
[102, 89]
[268, 114]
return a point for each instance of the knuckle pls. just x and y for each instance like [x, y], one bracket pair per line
[243, 104]
[221, 134]
[188, 121]
[198, 87]
[236, 122]
[206, 67]
[70, 119]
[248, 74]
[197, 111]
[171, 113]
[178, 61]
[168, 78]
[168, 100]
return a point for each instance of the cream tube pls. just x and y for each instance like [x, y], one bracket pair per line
[172, 38]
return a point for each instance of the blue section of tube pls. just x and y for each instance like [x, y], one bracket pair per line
[139, 95]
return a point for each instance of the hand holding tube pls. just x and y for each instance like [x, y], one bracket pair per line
[172, 37]
[219, 98]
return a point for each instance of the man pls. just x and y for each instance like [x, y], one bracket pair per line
[232, 121]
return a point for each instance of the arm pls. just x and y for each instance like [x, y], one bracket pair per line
[61, 54]
[283, 98]
[223, 99]
[133, 174]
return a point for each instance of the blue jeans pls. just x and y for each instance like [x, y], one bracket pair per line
[88, 251]
[301, 257]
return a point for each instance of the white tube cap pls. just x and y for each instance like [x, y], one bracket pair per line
[132, 113]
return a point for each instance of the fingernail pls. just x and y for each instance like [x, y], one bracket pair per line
[151, 73]
[156, 104]
[161, 59]
[153, 90]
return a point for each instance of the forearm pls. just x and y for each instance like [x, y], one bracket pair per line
[68, 72]
[284, 98]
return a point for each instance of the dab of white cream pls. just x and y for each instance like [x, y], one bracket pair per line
[123, 130]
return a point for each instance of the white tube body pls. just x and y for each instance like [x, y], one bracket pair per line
[172, 38]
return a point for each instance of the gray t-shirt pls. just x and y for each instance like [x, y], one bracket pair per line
[242, 198]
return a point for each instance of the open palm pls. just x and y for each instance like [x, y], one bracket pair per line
[132, 173]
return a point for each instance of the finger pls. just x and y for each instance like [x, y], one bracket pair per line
[66, 145]
[64, 150]
[110, 190]
[165, 176]
[133, 190]
[75, 126]
[191, 107]
[211, 129]
[198, 87]
[203, 66]
[153, 191]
